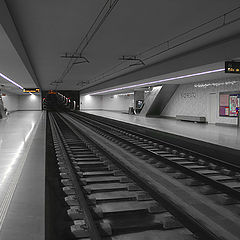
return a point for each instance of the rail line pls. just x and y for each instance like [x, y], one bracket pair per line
[121, 185]
[219, 175]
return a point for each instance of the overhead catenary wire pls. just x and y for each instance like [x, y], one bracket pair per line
[109, 72]
[96, 25]
[191, 30]
[69, 66]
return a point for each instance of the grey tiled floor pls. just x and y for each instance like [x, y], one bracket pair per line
[22, 153]
[15, 132]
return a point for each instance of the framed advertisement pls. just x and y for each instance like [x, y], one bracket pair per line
[224, 100]
[224, 105]
[229, 104]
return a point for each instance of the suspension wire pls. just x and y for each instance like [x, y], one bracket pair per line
[170, 40]
[70, 62]
[193, 38]
[190, 30]
[89, 36]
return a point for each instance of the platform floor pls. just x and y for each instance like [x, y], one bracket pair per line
[227, 136]
[22, 175]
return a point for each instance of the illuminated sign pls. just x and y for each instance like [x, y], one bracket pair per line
[232, 67]
[52, 92]
[31, 90]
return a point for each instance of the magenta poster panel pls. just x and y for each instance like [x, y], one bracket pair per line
[223, 111]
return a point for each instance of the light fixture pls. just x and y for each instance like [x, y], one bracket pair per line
[159, 81]
[10, 80]
[87, 97]
[32, 97]
[125, 94]
[215, 84]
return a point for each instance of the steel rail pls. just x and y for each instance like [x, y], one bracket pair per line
[92, 228]
[190, 222]
[218, 185]
[183, 149]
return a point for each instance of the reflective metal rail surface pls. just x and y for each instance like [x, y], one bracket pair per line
[221, 175]
[121, 185]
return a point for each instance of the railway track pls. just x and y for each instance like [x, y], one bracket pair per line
[200, 169]
[121, 185]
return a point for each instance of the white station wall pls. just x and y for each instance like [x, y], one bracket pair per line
[195, 101]
[22, 102]
[187, 100]
[29, 102]
[10, 102]
[88, 102]
[119, 103]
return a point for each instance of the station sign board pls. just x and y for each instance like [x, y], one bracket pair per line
[31, 90]
[232, 67]
[52, 92]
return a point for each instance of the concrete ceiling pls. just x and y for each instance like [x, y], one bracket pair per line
[12, 67]
[48, 29]
[169, 79]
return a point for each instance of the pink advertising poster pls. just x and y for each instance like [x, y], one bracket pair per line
[224, 100]
[224, 104]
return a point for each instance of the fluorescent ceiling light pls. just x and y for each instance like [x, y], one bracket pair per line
[11, 81]
[159, 81]
[204, 85]
[125, 94]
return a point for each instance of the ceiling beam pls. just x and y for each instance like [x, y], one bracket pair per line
[11, 30]
[225, 49]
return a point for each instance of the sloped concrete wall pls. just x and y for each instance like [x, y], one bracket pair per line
[158, 100]
[149, 101]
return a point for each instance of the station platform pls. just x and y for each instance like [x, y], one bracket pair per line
[221, 135]
[22, 175]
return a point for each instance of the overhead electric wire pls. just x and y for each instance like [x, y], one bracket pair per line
[199, 35]
[102, 75]
[110, 4]
[70, 63]
[188, 31]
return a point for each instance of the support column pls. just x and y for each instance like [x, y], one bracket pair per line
[2, 112]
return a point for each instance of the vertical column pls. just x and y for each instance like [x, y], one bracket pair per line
[2, 111]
